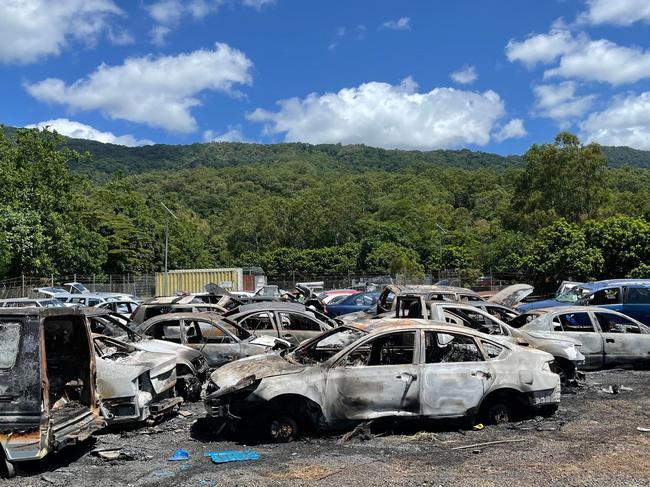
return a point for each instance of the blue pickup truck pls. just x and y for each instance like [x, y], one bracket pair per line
[628, 296]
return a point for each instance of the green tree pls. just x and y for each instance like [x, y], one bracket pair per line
[561, 252]
[564, 179]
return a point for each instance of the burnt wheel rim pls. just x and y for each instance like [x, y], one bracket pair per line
[500, 415]
[282, 429]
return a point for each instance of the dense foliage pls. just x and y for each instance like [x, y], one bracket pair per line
[558, 212]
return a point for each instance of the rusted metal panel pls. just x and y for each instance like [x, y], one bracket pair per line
[195, 280]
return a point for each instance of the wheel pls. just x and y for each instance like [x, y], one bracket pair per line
[548, 410]
[282, 429]
[190, 390]
[562, 370]
[7, 468]
[497, 412]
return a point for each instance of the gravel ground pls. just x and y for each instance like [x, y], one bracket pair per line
[592, 440]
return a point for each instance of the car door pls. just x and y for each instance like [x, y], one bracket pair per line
[636, 303]
[167, 330]
[260, 324]
[610, 298]
[624, 341]
[216, 343]
[580, 325]
[297, 327]
[379, 377]
[455, 375]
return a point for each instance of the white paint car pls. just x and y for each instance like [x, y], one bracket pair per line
[384, 368]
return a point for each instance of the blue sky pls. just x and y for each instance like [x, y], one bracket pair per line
[415, 74]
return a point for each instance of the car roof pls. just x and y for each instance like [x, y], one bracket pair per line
[43, 312]
[396, 324]
[206, 315]
[569, 309]
[182, 299]
[597, 285]
[270, 306]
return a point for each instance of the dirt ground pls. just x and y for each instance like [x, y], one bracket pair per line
[592, 440]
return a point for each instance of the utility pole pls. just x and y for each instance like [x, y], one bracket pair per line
[169, 212]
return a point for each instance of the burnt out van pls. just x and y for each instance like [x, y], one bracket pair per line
[47, 383]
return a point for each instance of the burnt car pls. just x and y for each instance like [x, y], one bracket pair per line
[564, 348]
[290, 321]
[191, 365]
[134, 385]
[187, 303]
[609, 338]
[48, 396]
[383, 368]
[219, 340]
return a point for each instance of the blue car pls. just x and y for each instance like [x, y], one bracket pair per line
[628, 296]
[342, 305]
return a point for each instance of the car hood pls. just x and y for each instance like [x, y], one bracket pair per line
[257, 366]
[116, 377]
[512, 295]
[546, 303]
[162, 346]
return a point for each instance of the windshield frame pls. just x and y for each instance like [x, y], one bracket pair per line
[292, 356]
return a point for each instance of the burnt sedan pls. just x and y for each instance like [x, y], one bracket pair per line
[405, 368]
[220, 340]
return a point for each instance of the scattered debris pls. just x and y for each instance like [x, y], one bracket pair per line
[309, 473]
[424, 436]
[184, 413]
[361, 431]
[625, 389]
[465, 447]
[642, 429]
[610, 389]
[179, 456]
[478, 427]
[477, 451]
[232, 456]
[119, 453]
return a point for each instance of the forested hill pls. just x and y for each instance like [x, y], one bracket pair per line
[110, 158]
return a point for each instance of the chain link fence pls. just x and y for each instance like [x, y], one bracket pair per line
[144, 286]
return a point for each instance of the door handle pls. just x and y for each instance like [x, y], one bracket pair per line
[476, 373]
[610, 340]
[407, 376]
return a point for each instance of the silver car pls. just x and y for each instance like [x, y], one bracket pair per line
[608, 338]
[383, 368]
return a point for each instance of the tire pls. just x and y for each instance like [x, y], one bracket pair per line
[188, 392]
[497, 411]
[548, 410]
[7, 469]
[561, 370]
[282, 429]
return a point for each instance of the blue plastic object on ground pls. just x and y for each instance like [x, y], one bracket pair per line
[232, 456]
[179, 456]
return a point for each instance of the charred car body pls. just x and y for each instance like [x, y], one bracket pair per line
[219, 340]
[47, 383]
[383, 368]
[133, 385]
[191, 365]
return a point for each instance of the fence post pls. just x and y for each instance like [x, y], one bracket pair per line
[23, 276]
[52, 280]
[94, 285]
[110, 283]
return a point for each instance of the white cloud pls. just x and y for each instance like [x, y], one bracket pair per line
[581, 57]
[385, 115]
[465, 75]
[258, 4]
[78, 130]
[560, 102]
[617, 12]
[626, 121]
[514, 129]
[33, 29]
[403, 23]
[603, 61]
[541, 48]
[233, 134]
[169, 13]
[157, 91]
